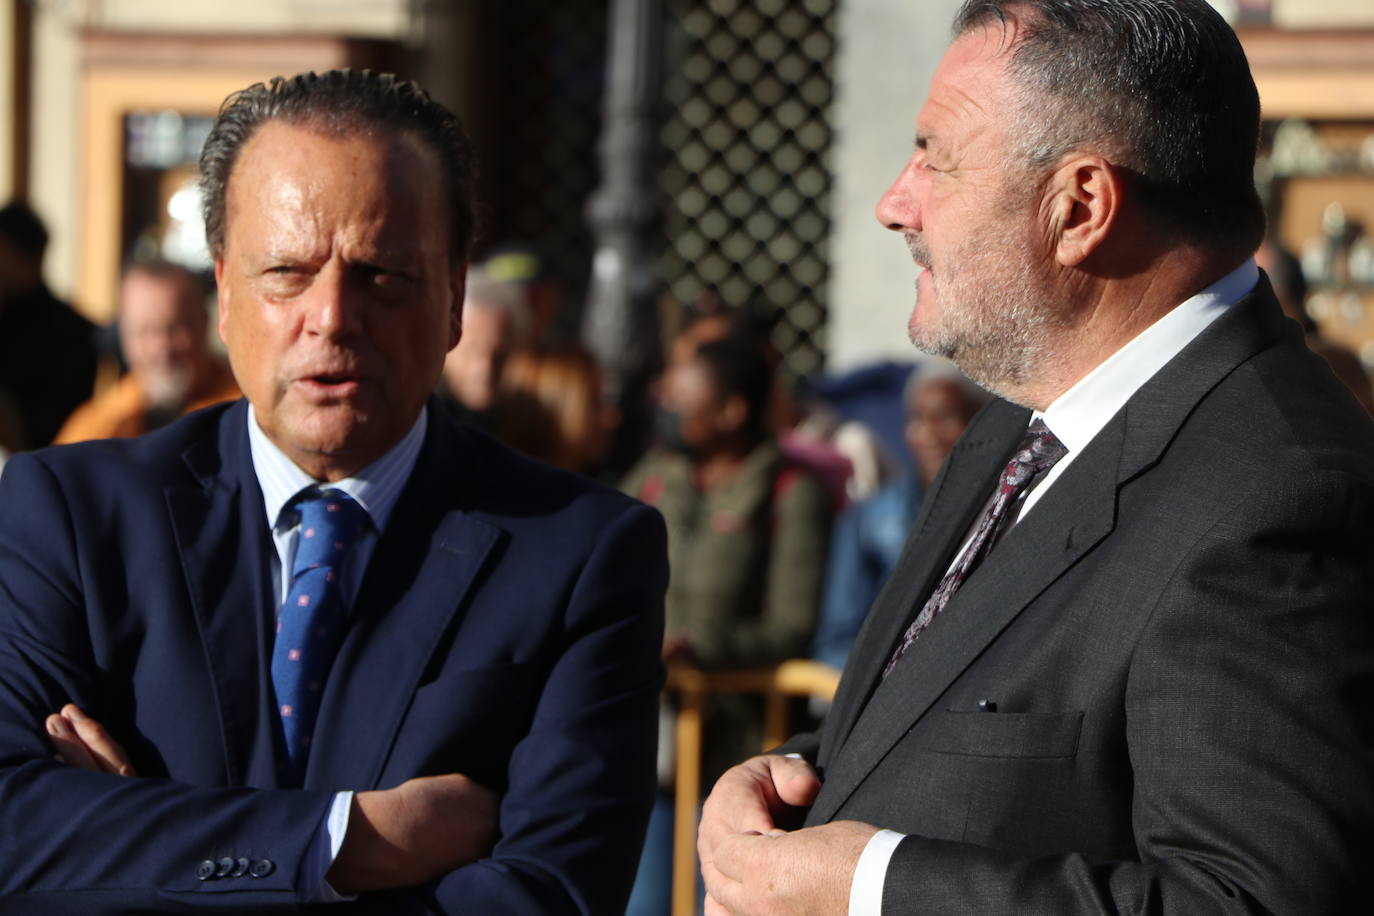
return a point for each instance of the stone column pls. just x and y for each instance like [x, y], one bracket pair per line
[621, 321]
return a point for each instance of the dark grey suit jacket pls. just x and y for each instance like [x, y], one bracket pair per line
[1178, 642]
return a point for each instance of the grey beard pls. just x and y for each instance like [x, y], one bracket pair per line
[169, 391]
[999, 333]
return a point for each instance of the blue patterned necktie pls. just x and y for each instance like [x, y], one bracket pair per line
[312, 620]
[1037, 453]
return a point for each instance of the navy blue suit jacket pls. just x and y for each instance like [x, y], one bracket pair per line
[508, 628]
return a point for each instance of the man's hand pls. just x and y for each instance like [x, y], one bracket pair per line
[804, 872]
[413, 833]
[82, 742]
[752, 866]
[396, 837]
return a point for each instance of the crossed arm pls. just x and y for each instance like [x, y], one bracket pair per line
[396, 838]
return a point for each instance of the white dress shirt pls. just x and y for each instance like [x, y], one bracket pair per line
[1076, 417]
[376, 488]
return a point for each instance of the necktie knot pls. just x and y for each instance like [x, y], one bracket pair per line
[1037, 453]
[331, 522]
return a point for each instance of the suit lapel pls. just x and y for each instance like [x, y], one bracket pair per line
[1069, 520]
[222, 536]
[1073, 517]
[946, 515]
[425, 564]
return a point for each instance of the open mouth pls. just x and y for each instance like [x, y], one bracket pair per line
[332, 384]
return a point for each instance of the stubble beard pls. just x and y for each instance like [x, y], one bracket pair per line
[993, 318]
[168, 389]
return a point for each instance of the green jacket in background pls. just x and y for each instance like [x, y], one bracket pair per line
[746, 564]
[746, 558]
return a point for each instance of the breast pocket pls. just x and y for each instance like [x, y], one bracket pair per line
[1005, 734]
[1016, 775]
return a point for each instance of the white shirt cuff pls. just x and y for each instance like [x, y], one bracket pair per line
[324, 849]
[866, 890]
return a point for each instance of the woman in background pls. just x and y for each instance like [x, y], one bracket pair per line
[549, 405]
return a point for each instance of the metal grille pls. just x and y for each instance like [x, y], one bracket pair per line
[544, 69]
[749, 85]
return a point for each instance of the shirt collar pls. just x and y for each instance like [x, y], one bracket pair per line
[376, 487]
[1080, 413]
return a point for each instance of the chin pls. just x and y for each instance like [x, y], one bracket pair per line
[331, 431]
[928, 341]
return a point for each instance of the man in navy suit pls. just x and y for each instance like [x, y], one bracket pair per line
[479, 735]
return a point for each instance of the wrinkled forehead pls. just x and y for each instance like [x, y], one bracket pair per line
[974, 69]
[315, 156]
[301, 180]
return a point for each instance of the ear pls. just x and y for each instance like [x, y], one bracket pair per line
[458, 286]
[732, 414]
[1085, 198]
[222, 300]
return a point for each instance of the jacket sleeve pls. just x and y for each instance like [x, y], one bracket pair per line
[582, 781]
[77, 841]
[1249, 727]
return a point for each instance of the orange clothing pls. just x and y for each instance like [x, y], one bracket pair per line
[121, 412]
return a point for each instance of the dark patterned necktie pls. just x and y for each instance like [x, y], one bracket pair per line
[311, 621]
[1037, 453]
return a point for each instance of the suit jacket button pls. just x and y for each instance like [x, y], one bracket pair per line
[223, 867]
[241, 866]
[262, 868]
[205, 870]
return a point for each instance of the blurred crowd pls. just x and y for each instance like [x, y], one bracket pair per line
[62, 379]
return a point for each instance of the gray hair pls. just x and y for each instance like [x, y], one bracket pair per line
[340, 100]
[1161, 88]
[505, 296]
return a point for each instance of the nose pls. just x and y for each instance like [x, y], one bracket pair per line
[899, 209]
[334, 308]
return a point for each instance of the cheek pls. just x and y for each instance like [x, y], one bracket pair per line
[255, 353]
[182, 344]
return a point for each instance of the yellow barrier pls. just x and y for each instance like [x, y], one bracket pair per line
[792, 678]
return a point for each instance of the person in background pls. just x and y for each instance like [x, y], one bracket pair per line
[747, 532]
[524, 267]
[745, 528]
[172, 371]
[869, 535]
[1285, 273]
[47, 350]
[801, 434]
[549, 405]
[496, 320]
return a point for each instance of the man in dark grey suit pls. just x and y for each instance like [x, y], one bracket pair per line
[1126, 664]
